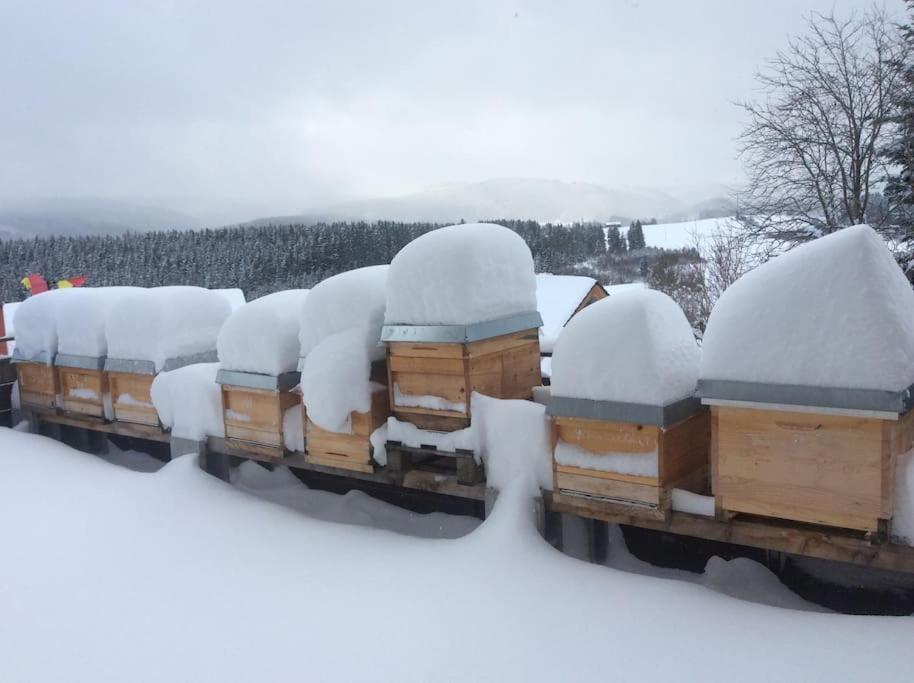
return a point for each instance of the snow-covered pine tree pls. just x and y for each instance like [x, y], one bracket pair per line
[636, 236]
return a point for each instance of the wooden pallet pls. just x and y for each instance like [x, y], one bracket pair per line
[93, 384]
[352, 451]
[460, 463]
[680, 452]
[507, 366]
[813, 467]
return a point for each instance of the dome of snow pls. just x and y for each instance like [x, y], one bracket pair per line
[81, 323]
[836, 312]
[633, 347]
[35, 323]
[262, 336]
[352, 299]
[165, 322]
[459, 275]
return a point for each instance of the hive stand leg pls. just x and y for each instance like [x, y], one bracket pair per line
[179, 447]
[552, 528]
[467, 471]
[34, 422]
[217, 464]
[597, 540]
[397, 461]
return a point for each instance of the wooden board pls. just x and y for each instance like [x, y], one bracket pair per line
[37, 385]
[82, 391]
[255, 415]
[98, 424]
[820, 469]
[131, 398]
[502, 367]
[348, 451]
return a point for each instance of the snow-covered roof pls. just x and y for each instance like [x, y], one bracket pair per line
[460, 275]
[262, 336]
[836, 312]
[165, 322]
[633, 347]
[557, 298]
[81, 323]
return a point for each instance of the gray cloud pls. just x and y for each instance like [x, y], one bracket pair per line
[284, 105]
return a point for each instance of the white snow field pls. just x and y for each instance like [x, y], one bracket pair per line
[114, 575]
[262, 336]
[683, 235]
[835, 312]
[633, 347]
[459, 275]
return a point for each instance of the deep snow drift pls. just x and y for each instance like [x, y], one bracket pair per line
[836, 312]
[262, 336]
[633, 347]
[162, 570]
[36, 331]
[189, 402]
[459, 275]
[81, 322]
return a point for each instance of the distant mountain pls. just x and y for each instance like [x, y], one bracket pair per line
[554, 201]
[42, 218]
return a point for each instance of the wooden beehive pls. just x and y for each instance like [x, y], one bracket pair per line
[131, 398]
[82, 390]
[351, 451]
[821, 466]
[253, 406]
[504, 366]
[678, 453]
[38, 386]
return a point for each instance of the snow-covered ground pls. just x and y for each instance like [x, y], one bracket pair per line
[112, 574]
[682, 235]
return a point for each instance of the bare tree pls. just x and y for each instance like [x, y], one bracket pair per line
[812, 144]
[726, 254]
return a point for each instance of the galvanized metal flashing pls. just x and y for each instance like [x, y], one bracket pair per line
[794, 394]
[41, 357]
[148, 367]
[254, 380]
[614, 411]
[180, 361]
[69, 360]
[460, 334]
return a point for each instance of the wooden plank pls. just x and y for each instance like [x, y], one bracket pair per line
[255, 415]
[340, 463]
[614, 476]
[620, 490]
[768, 534]
[812, 468]
[422, 365]
[599, 436]
[684, 447]
[419, 350]
[37, 384]
[96, 424]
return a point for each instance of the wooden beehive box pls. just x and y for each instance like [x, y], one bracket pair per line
[82, 383]
[433, 370]
[253, 406]
[351, 451]
[831, 465]
[669, 449]
[131, 398]
[38, 386]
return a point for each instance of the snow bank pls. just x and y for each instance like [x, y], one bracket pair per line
[633, 347]
[340, 334]
[459, 275]
[836, 312]
[165, 322]
[514, 442]
[35, 323]
[189, 401]
[262, 336]
[81, 323]
[637, 464]
[557, 298]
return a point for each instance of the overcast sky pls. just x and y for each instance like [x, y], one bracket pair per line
[289, 105]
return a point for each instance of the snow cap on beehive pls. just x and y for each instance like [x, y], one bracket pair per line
[633, 347]
[35, 323]
[836, 312]
[460, 275]
[81, 322]
[340, 338]
[165, 323]
[262, 335]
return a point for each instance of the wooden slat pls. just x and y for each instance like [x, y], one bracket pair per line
[37, 384]
[609, 488]
[99, 425]
[685, 447]
[139, 388]
[599, 436]
[79, 379]
[613, 476]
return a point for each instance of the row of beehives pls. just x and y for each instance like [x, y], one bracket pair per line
[628, 427]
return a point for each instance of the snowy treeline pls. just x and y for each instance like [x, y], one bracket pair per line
[259, 259]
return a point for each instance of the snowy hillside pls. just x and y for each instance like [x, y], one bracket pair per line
[682, 235]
